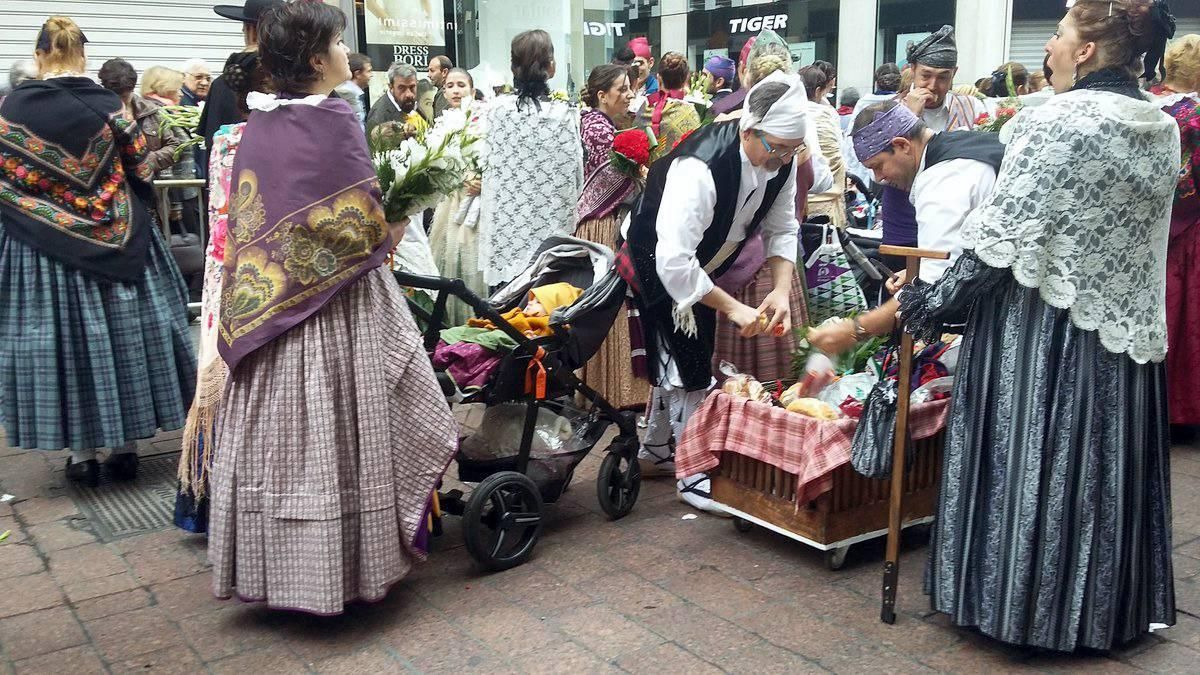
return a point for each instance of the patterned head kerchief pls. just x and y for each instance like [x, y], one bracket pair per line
[936, 51]
[877, 136]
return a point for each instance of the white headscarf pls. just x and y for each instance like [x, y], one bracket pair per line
[785, 119]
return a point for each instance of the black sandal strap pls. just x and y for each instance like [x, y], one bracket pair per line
[695, 489]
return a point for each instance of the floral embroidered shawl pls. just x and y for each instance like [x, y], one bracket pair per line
[605, 187]
[305, 220]
[72, 177]
[1186, 213]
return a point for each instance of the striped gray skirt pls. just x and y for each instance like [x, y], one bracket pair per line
[86, 363]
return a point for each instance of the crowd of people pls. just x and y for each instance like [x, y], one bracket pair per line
[316, 432]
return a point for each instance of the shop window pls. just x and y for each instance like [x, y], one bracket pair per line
[903, 22]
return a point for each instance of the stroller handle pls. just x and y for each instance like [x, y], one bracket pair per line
[445, 286]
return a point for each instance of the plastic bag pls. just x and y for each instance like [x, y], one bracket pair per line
[740, 384]
[934, 390]
[871, 450]
[818, 373]
[832, 287]
[499, 434]
[857, 386]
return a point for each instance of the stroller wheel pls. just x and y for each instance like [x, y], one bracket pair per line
[503, 520]
[618, 483]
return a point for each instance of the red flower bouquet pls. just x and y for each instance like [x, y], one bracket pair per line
[1005, 110]
[995, 123]
[631, 151]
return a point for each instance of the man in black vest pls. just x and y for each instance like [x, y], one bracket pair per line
[722, 185]
[946, 176]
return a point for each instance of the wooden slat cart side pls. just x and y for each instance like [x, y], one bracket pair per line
[854, 510]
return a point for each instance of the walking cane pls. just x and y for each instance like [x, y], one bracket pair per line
[891, 566]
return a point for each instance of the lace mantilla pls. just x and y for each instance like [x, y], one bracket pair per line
[1081, 211]
[533, 173]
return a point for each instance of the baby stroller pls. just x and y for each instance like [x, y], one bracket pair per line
[502, 515]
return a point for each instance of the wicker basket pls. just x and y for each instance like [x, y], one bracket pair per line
[854, 510]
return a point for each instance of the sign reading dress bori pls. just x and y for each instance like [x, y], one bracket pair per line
[408, 31]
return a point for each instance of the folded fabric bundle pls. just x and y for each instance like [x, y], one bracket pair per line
[468, 363]
[495, 340]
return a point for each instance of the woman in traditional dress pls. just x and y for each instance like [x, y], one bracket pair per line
[766, 357]
[1054, 519]
[608, 195]
[94, 346]
[832, 202]
[333, 432]
[196, 459]
[454, 236]
[533, 169]
[1183, 249]
[666, 113]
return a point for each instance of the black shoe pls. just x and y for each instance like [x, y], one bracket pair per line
[1183, 434]
[86, 473]
[122, 467]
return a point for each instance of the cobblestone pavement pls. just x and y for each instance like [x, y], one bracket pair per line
[651, 593]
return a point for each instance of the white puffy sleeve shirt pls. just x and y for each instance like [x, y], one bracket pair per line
[943, 195]
[688, 202]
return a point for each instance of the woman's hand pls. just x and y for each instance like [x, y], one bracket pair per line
[474, 187]
[833, 338]
[777, 308]
[897, 282]
[747, 319]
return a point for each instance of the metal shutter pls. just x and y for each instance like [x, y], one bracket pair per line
[1028, 43]
[1029, 38]
[144, 32]
[1186, 25]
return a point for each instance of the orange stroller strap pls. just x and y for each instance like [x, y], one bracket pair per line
[535, 376]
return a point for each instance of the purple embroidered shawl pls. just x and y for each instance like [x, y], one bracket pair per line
[605, 188]
[597, 132]
[305, 221]
[603, 192]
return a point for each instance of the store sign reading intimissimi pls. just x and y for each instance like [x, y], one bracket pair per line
[759, 23]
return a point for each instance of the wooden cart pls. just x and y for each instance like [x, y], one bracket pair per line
[854, 510]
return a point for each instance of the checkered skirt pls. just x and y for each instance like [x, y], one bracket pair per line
[766, 357]
[86, 363]
[329, 443]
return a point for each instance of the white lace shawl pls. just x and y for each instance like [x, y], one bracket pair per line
[1081, 211]
[533, 173]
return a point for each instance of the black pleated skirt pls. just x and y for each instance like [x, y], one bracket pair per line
[1054, 520]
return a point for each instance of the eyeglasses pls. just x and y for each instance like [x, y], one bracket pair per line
[776, 153]
[202, 77]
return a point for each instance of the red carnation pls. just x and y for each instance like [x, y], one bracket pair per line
[633, 146]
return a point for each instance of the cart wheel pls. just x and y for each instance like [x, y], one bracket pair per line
[618, 484]
[503, 520]
[835, 558]
[742, 525]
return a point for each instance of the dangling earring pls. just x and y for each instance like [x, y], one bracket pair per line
[1075, 76]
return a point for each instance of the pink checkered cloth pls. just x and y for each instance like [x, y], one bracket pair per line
[801, 445]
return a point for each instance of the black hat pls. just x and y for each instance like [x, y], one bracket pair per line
[251, 13]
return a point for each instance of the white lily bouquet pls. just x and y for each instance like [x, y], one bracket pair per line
[473, 151]
[697, 93]
[415, 174]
